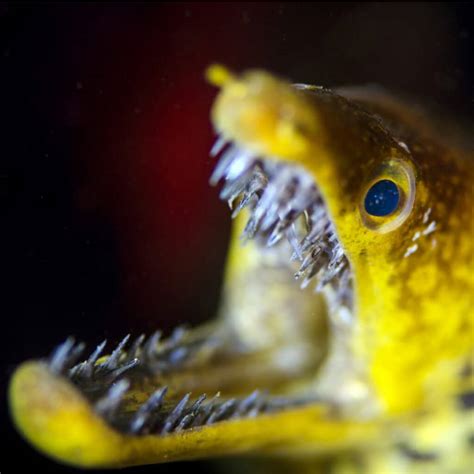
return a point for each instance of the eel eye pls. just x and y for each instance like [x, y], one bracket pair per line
[387, 199]
[382, 198]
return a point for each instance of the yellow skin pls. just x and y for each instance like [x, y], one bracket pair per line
[412, 324]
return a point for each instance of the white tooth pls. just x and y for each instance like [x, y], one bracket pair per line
[276, 202]
[295, 242]
[250, 228]
[218, 146]
[328, 275]
[232, 189]
[305, 283]
[313, 271]
[311, 259]
[275, 235]
[262, 208]
[225, 161]
[269, 196]
[246, 198]
[270, 218]
[305, 193]
[240, 165]
[336, 256]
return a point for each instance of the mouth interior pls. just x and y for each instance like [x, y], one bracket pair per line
[284, 204]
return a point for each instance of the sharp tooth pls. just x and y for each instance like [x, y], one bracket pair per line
[319, 228]
[59, 356]
[135, 350]
[96, 354]
[256, 183]
[75, 353]
[258, 407]
[337, 254]
[151, 346]
[178, 355]
[112, 362]
[193, 411]
[174, 416]
[152, 405]
[244, 202]
[177, 336]
[277, 233]
[305, 194]
[86, 368]
[218, 146]
[328, 275]
[205, 412]
[246, 404]
[313, 271]
[310, 259]
[250, 228]
[116, 373]
[294, 241]
[65, 355]
[239, 166]
[233, 188]
[108, 405]
[224, 163]
[221, 411]
[275, 201]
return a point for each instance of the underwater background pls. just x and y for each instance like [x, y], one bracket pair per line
[109, 225]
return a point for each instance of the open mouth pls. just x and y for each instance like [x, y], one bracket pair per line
[127, 388]
[115, 386]
[152, 400]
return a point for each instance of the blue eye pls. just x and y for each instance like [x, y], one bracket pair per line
[382, 198]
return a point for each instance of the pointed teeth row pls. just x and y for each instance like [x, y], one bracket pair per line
[279, 196]
[108, 405]
[147, 354]
[152, 418]
[65, 355]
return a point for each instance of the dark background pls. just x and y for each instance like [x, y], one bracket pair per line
[108, 223]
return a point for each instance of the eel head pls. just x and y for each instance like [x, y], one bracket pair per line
[352, 276]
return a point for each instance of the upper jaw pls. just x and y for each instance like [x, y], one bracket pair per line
[285, 203]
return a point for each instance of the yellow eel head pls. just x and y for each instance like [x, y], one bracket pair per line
[352, 195]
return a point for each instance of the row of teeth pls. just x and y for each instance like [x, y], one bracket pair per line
[154, 417]
[103, 384]
[284, 202]
[278, 196]
[147, 355]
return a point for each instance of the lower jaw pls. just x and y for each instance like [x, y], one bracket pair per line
[196, 379]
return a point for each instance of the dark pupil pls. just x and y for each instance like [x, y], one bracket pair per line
[382, 198]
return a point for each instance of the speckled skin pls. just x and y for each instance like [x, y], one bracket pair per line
[390, 378]
[413, 311]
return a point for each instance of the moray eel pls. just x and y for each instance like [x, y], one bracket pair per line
[344, 339]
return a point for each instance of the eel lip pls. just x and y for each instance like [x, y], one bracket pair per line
[58, 420]
[54, 416]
